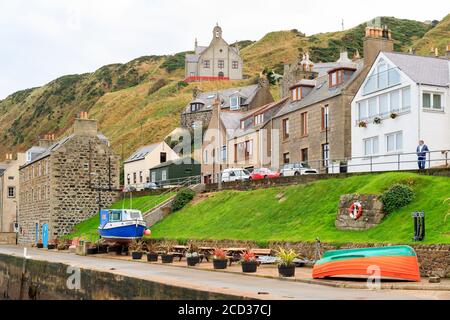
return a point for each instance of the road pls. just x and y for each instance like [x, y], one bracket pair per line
[233, 284]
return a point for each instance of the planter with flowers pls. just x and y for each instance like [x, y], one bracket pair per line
[192, 255]
[393, 115]
[248, 262]
[362, 124]
[286, 266]
[377, 120]
[220, 260]
[152, 254]
[136, 249]
[166, 256]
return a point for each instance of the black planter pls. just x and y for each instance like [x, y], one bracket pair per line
[152, 257]
[167, 258]
[136, 255]
[193, 261]
[220, 264]
[249, 267]
[51, 247]
[91, 251]
[39, 245]
[286, 271]
[102, 249]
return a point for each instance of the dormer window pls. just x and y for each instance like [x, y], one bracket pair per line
[196, 106]
[242, 124]
[301, 90]
[259, 119]
[336, 77]
[234, 103]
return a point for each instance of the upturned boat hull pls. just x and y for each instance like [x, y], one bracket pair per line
[399, 262]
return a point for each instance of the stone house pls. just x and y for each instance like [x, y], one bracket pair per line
[315, 126]
[137, 166]
[67, 183]
[9, 191]
[218, 61]
[234, 99]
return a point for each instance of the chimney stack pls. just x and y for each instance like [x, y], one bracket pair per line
[84, 126]
[377, 39]
[47, 141]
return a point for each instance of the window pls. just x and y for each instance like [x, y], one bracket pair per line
[234, 103]
[196, 106]
[141, 177]
[336, 78]
[325, 117]
[362, 110]
[406, 98]
[285, 129]
[115, 216]
[383, 76]
[224, 153]
[259, 119]
[373, 107]
[394, 142]
[235, 65]
[394, 101]
[221, 64]
[248, 149]
[432, 101]
[304, 123]
[206, 64]
[384, 104]
[326, 154]
[371, 146]
[11, 192]
[162, 157]
[128, 179]
[304, 154]
[164, 175]
[153, 176]
[134, 178]
[286, 158]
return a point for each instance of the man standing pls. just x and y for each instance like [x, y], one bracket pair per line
[422, 150]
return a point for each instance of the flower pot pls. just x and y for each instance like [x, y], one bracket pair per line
[152, 257]
[249, 267]
[102, 249]
[91, 250]
[167, 258]
[286, 271]
[39, 245]
[136, 255]
[220, 264]
[51, 247]
[192, 261]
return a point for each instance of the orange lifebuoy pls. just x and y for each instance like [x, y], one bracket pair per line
[355, 210]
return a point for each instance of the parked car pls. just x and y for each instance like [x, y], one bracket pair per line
[263, 173]
[129, 189]
[235, 174]
[297, 169]
[150, 186]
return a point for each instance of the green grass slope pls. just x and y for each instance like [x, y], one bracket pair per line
[88, 228]
[438, 37]
[309, 211]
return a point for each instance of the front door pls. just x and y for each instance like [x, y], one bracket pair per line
[45, 235]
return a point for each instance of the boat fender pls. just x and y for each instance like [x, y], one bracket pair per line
[355, 210]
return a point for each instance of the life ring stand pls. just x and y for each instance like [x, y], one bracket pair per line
[355, 210]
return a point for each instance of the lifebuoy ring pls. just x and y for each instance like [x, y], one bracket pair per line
[355, 210]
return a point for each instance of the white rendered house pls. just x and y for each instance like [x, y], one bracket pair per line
[405, 98]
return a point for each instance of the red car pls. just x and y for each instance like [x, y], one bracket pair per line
[263, 173]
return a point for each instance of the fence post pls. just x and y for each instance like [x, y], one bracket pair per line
[429, 159]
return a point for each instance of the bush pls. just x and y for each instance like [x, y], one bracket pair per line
[396, 197]
[183, 197]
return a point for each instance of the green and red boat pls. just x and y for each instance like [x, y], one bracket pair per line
[395, 262]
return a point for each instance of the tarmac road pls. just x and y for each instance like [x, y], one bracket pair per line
[231, 284]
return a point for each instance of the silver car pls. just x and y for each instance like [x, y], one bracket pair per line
[297, 169]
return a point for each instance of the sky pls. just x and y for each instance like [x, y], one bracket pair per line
[41, 40]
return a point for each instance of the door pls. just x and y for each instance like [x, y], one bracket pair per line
[45, 235]
[37, 233]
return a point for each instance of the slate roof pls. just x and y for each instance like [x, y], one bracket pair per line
[231, 120]
[2, 171]
[142, 152]
[422, 69]
[176, 161]
[320, 92]
[208, 98]
[43, 152]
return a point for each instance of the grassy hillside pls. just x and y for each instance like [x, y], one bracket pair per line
[88, 228]
[438, 37]
[309, 211]
[148, 92]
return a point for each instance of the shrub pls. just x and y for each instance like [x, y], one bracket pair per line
[396, 197]
[183, 197]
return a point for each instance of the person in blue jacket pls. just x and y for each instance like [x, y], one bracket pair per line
[422, 150]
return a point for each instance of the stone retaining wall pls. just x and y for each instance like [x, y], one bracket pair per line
[433, 259]
[7, 238]
[286, 181]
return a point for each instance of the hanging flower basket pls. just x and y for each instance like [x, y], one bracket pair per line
[393, 115]
[362, 124]
[377, 120]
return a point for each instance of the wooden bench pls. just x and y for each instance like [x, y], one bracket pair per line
[262, 252]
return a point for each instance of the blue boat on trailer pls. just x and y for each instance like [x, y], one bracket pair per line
[121, 225]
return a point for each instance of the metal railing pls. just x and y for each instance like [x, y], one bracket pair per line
[383, 162]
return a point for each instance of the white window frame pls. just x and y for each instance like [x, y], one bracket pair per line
[164, 175]
[234, 103]
[432, 94]
[373, 151]
[395, 135]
